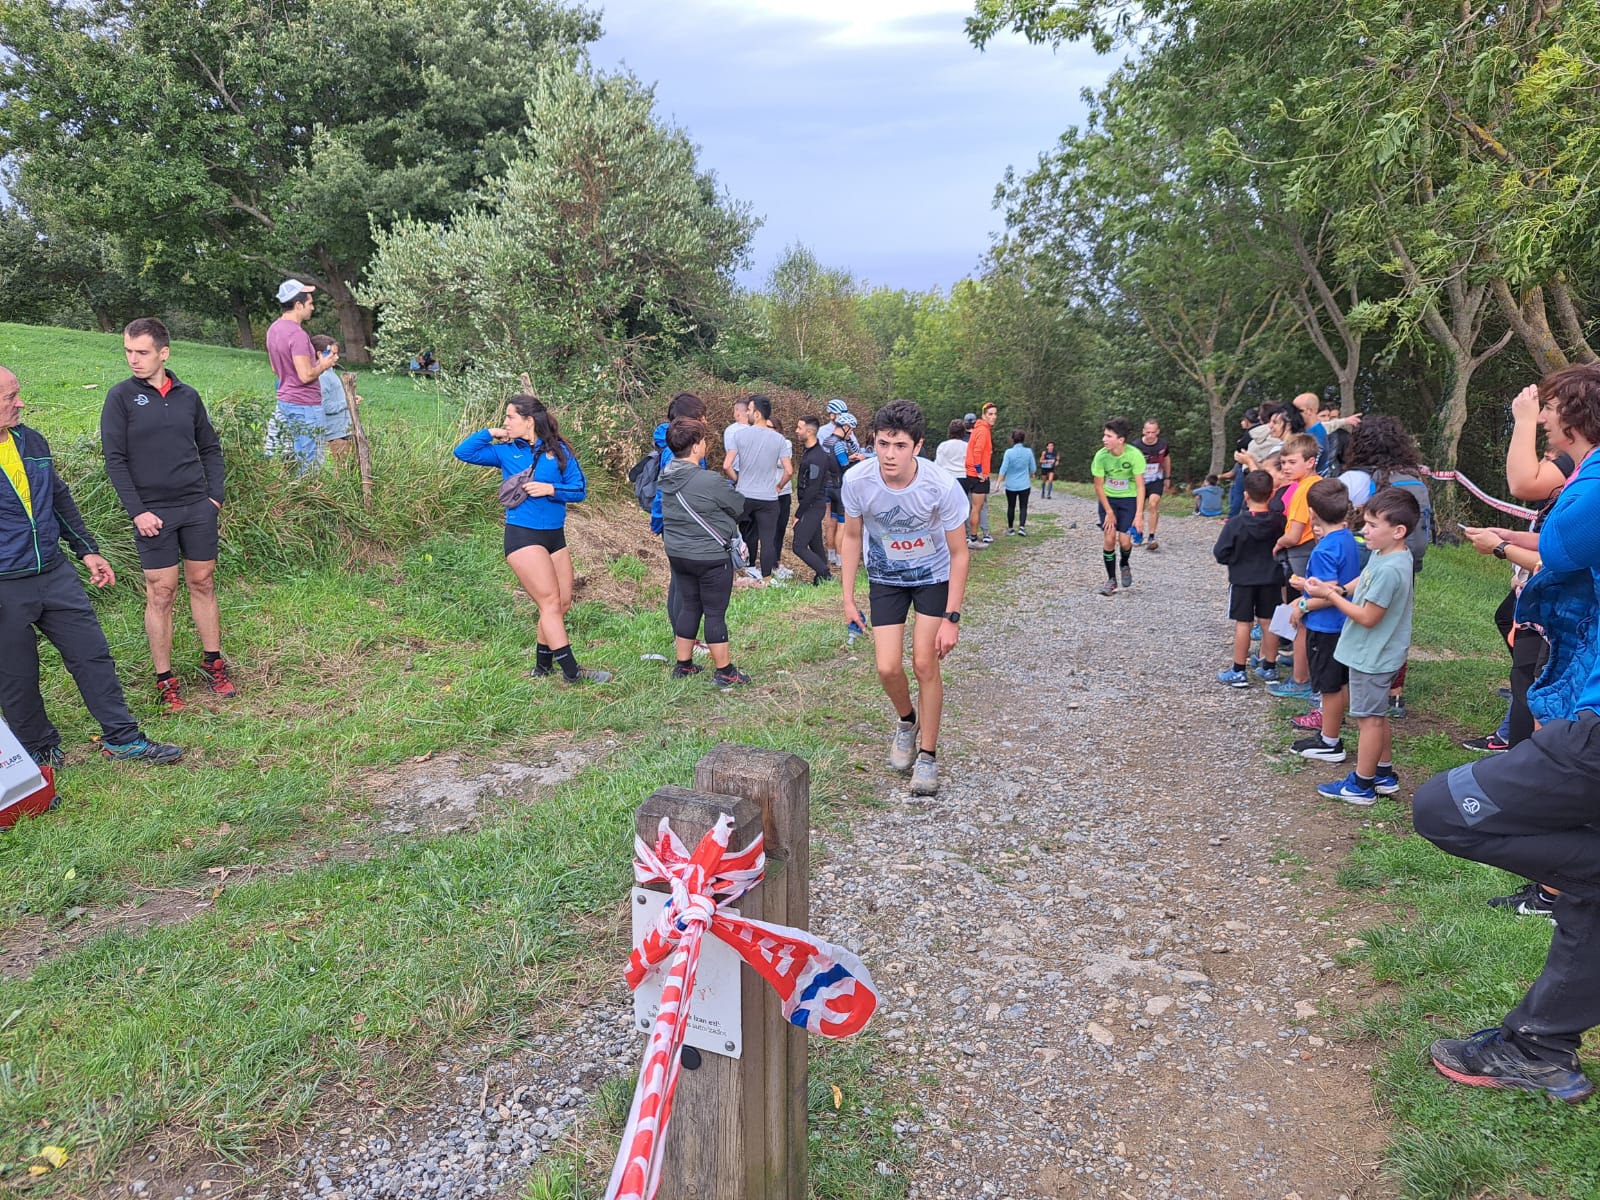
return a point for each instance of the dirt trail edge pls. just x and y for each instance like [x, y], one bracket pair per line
[1107, 947]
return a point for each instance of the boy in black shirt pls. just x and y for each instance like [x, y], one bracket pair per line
[1255, 579]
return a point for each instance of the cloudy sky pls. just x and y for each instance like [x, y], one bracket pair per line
[870, 130]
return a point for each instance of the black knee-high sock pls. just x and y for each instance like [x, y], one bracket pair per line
[543, 661]
[1111, 565]
[1125, 553]
[564, 659]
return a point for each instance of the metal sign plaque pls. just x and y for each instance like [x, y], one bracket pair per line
[716, 1023]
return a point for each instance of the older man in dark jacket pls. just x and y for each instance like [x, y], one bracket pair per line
[41, 593]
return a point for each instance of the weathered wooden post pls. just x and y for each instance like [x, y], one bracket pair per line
[738, 1129]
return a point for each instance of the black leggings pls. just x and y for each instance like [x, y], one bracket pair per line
[808, 539]
[704, 589]
[1013, 499]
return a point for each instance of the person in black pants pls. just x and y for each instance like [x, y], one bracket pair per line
[39, 591]
[816, 469]
[757, 460]
[700, 517]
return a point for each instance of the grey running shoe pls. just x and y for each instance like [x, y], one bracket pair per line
[1127, 576]
[142, 749]
[1108, 588]
[903, 750]
[924, 776]
[589, 675]
[1486, 1059]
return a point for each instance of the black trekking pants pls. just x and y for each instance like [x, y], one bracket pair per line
[808, 544]
[704, 589]
[56, 605]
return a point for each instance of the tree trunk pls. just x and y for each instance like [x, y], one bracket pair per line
[355, 322]
[1526, 316]
[1571, 322]
[1453, 413]
[103, 319]
[241, 317]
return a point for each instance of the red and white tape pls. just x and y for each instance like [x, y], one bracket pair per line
[1515, 510]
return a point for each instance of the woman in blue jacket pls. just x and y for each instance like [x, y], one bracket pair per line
[536, 541]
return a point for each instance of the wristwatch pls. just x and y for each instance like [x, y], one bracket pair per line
[953, 617]
[1500, 550]
[1302, 604]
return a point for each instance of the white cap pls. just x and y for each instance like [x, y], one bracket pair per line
[290, 289]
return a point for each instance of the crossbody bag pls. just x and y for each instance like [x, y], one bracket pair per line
[738, 556]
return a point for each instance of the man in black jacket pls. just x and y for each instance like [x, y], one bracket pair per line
[40, 591]
[813, 479]
[165, 462]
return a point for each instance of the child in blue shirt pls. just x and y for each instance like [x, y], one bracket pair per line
[1335, 560]
[1208, 498]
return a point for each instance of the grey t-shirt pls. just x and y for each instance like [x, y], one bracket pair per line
[1386, 580]
[758, 449]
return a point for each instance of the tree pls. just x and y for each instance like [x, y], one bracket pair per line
[273, 135]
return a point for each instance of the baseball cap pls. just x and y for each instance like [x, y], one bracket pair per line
[970, 420]
[837, 406]
[289, 289]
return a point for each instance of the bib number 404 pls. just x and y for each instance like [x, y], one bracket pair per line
[908, 545]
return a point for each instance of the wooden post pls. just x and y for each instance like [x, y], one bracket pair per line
[363, 451]
[738, 1128]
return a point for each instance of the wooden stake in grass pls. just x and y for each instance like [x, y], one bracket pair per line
[363, 450]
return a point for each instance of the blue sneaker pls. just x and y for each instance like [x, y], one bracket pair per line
[1348, 790]
[142, 749]
[1387, 783]
[1238, 679]
[1255, 633]
[1270, 674]
[1486, 1059]
[1289, 689]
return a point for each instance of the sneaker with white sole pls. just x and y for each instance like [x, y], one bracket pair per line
[1127, 576]
[1290, 689]
[924, 776]
[1315, 747]
[1350, 791]
[1386, 783]
[987, 540]
[903, 749]
[1530, 901]
[1023, 532]
[1232, 678]
[1108, 588]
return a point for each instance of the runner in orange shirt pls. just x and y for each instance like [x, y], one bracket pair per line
[980, 453]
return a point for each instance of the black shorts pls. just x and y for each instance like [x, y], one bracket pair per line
[519, 538]
[966, 482]
[188, 532]
[1124, 509]
[980, 487]
[1253, 601]
[890, 603]
[1328, 674]
[1154, 487]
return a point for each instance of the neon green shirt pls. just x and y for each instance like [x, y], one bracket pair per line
[1118, 471]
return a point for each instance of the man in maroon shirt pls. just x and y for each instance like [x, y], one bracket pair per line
[298, 367]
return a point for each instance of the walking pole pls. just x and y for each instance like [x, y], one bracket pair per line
[363, 450]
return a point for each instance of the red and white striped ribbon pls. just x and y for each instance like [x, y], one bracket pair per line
[825, 989]
[1515, 510]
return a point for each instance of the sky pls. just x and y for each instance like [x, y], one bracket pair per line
[872, 131]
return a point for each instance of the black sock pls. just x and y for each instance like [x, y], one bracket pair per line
[1125, 553]
[1386, 768]
[685, 663]
[563, 657]
[1111, 565]
[542, 659]
[929, 754]
[1239, 667]
[730, 669]
[212, 656]
[909, 718]
[1548, 895]
[163, 676]
[1366, 781]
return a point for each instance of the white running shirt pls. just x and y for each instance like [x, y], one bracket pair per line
[903, 532]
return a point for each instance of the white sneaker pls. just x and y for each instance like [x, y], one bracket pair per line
[924, 776]
[833, 559]
[987, 540]
[903, 749]
[782, 573]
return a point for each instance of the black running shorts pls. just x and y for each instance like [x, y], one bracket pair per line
[889, 603]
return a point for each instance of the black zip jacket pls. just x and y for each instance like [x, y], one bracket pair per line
[1245, 548]
[812, 479]
[32, 545]
[161, 451]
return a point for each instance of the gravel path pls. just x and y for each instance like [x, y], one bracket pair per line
[1088, 936]
[1100, 975]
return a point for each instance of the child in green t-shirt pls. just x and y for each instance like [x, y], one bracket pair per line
[1118, 471]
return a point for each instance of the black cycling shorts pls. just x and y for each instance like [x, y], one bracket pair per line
[188, 532]
[520, 538]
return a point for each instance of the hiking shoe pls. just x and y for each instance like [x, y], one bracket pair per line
[217, 678]
[589, 675]
[1311, 720]
[1232, 678]
[55, 758]
[1486, 1059]
[684, 670]
[1290, 689]
[1023, 532]
[1108, 588]
[924, 776]
[169, 696]
[1492, 744]
[1397, 710]
[1269, 674]
[729, 676]
[1315, 747]
[903, 749]
[1127, 576]
[1348, 790]
[1386, 783]
[1530, 901]
[142, 749]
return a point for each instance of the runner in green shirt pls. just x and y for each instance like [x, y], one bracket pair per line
[1118, 471]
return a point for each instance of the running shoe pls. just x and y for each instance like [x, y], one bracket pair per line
[924, 776]
[1269, 674]
[1315, 747]
[684, 670]
[729, 676]
[987, 540]
[1503, 693]
[169, 696]
[142, 749]
[217, 678]
[903, 749]
[1492, 744]
[1127, 576]
[1386, 783]
[974, 543]
[546, 672]
[833, 559]
[1397, 710]
[1290, 689]
[1238, 679]
[1154, 545]
[1487, 1059]
[1011, 533]
[1529, 901]
[588, 675]
[782, 573]
[1308, 720]
[1108, 588]
[55, 758]
[1350, 791]
[1023, 532]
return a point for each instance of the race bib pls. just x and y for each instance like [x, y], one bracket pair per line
[910, 547]
[1152, 472]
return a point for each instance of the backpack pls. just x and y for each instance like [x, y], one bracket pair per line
[645, 476]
